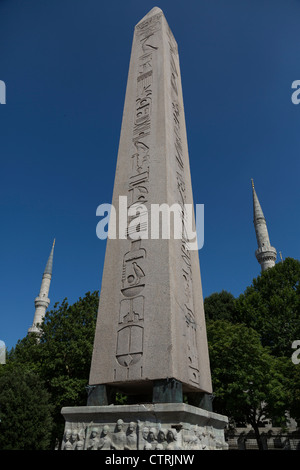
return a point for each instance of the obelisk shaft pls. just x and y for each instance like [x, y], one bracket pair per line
[151, 323]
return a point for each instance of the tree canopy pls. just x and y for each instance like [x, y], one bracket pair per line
[220, 306]
[250, 346]
[61, 354]
[25, 411]
[248, 385]
[271, 306]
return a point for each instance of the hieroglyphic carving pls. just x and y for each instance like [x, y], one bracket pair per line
[133, 271]
[187, 283]
[130, 337]
[132, 310]
[141, 157]
[147, 28]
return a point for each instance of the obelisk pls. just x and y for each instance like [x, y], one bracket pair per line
[150, 340]
[151, 320]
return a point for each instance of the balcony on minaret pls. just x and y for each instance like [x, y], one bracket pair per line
[42, 301]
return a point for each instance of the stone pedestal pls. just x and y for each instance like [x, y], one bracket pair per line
[162, 426]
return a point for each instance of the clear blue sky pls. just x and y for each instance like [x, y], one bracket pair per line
[65, 65]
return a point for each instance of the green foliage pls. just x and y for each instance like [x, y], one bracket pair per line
[61, 355]
[250, 341]
[245, 376]
[249, 387]
[249, 338]
[291, 372]
[220, 306]
[25, 410]
[271, 306]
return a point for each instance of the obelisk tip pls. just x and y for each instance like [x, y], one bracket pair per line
[152, 12]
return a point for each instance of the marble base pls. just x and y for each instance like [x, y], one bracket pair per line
[161, 426]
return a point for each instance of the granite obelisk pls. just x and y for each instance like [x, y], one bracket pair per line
[150, 340]
[151, 320]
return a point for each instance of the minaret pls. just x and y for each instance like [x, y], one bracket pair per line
[265, 254]
[42, 301]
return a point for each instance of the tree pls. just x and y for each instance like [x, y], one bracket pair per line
[271, 306]
[248, 385]
[25, 410]
[61, 355]
[220, 306]
[291, 372]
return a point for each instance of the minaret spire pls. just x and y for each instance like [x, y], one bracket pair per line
[265, 254]
[49, 265]
[42, 301]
